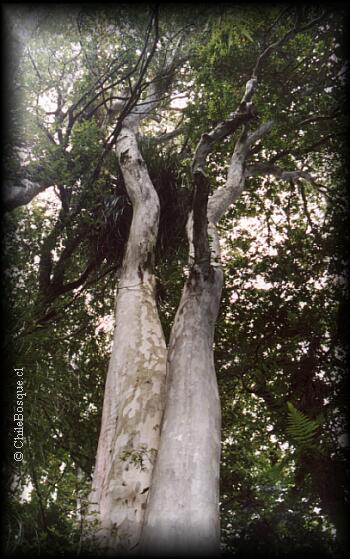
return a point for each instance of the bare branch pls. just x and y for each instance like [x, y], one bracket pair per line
[222, 198]
[263, 129]
[99, 81]
[278, 19]
[219, 133]
[316, 118]
[306, 209]
[34, 65]
[46, 131]
[269, 50]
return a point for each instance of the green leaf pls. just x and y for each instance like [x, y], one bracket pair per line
[301, 429]
[247, 35]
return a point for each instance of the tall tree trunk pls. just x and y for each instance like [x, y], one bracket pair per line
[135, 386]
[134, 392]
[182, 515]
[183, 510]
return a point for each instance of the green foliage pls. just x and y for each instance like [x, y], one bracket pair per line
[301, 429]
[54, 535]
[86, 145]
[279, 335]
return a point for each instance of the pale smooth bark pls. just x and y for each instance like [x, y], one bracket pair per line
[135, 386]
[183, 510]
[263, 169]
[182, 515]
[134, 392]
[222, 198]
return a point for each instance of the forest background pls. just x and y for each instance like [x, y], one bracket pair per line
[280, 340]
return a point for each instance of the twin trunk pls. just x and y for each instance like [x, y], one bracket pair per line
[182, 513]
[175, 506]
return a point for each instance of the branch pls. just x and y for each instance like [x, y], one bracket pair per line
[244, 114]
[219, 133]
[261, 169]
[259, 133]
[118, 106]
[57, 313]
[317, 118]
[34, 65]
[308, 149]
[46, 131]
[64, 288]
[269, 49]
[273, 46]
[136, 91]
[21, 193]
[222, 198]
[277, 20]
[166, 136]
[306, 210]
[58, 290]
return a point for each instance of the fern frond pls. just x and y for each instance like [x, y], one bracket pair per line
[301, 429]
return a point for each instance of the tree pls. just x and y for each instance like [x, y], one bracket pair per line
[92, 87]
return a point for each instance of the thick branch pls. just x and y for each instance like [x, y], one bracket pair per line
[222, 198]
[242, 116]
[219, 133]
[21, 193]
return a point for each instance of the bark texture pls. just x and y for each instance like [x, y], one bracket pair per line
[135, 386]
[183, 509]
[182, 516]
[134, 392]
